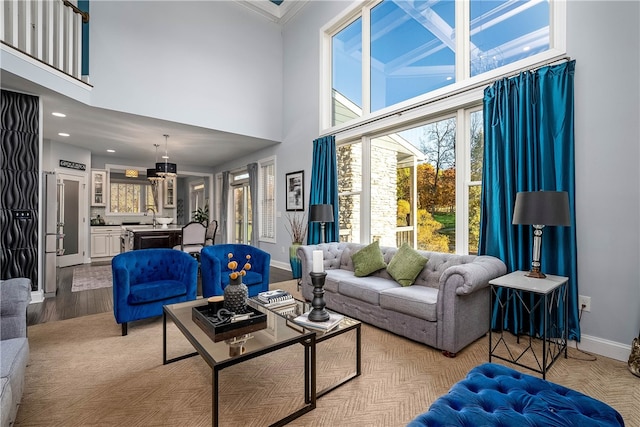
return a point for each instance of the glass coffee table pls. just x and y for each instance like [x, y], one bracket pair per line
[220, 355]
[347, 324]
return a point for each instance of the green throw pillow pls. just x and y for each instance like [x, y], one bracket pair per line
[368, 260]
[406, 264]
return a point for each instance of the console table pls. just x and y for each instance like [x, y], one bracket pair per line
[533, 295]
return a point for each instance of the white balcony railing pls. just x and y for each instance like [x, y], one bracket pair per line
[48, 30]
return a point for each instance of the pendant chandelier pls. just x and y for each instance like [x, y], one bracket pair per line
[152, 174]
[166, 169]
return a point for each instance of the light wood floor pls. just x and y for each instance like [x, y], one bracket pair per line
[67, 304]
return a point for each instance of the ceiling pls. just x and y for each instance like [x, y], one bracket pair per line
[132, 136]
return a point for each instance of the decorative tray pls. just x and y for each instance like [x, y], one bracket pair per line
[205, 317]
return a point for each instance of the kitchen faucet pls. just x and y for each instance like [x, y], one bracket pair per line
[154, 215]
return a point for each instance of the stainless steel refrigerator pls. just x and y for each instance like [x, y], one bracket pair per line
[53, 219]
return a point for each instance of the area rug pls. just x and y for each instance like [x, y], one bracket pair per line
[86, 277]
[82, 372]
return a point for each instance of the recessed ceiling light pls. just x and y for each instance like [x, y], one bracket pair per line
[449, 78]
[526, 48]
[111, 151]
[63, 134]
[58, 114]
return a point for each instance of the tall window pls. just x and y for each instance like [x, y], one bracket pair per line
[241, 214]
[197, 199]
[407, 81]
[267, 198]
[397, 50]
[413, 185]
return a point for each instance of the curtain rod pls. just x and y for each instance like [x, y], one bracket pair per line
[449, 95]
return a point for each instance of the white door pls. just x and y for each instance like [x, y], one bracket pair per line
[71, 221]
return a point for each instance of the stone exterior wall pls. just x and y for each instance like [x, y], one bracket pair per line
[383, 193]
[349, 179]
[384, 204]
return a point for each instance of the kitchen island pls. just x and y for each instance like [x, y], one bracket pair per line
[146, 236]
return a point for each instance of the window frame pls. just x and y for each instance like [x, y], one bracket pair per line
[464, 83]
[459, 99]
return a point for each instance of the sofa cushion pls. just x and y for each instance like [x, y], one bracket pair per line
[365, 289]
[334, 277]
[406, 264]
[155, 291]
[368, 260]
[416, 301]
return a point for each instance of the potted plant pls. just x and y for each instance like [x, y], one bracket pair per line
[201, 214]
[297, 229]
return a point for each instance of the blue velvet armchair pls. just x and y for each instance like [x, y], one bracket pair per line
[215, 273]
[144, 280]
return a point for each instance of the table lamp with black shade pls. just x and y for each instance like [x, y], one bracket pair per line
[540, 209]
[321, 214]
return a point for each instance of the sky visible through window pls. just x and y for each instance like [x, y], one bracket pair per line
[413, 46]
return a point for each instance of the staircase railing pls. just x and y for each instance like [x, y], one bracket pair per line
[47, 30]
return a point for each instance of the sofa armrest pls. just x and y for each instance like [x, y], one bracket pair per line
[15, 295]
[331, 255]
[211, 274]
[475, 275]
[305, 253]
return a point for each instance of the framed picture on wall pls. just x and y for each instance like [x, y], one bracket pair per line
[294, 190]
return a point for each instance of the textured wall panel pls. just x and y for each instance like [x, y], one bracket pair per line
[20, 263]
[18, 189]
[18, 234]
[19, 112]
[19, 184]
[19, 151]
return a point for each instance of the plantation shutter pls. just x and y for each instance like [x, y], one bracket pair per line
[267, 201]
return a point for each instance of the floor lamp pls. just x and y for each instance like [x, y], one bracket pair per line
[321, 214]
[540, 208]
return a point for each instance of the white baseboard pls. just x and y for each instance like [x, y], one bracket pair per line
[602, 347]
[37, 296]
[282, 265]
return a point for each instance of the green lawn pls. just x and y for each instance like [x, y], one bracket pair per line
[448, 220]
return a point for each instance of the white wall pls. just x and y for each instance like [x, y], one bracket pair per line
[603, 37]
[213, 64]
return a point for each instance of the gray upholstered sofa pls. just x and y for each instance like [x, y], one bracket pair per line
[15, 295]
[447, 307]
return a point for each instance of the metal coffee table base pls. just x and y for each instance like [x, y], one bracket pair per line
[307, 340]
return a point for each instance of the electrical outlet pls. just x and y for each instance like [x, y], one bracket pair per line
[584, 302]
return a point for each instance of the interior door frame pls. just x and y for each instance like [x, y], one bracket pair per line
[83, 211]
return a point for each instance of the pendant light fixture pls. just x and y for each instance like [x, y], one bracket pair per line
[166, 169]
[152, 175]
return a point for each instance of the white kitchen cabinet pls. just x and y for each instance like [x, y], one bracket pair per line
[105, 241]
[98, 187]
[170, 192]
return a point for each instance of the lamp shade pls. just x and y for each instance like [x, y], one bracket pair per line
[151, 174]
[321, 213]
[166, 169]
[542, 208]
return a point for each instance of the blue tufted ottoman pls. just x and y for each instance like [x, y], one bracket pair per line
[494, 395]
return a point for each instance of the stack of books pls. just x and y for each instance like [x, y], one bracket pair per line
[275, 298]
[334, 320]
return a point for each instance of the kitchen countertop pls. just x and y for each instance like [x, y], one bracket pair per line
[149, 227]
